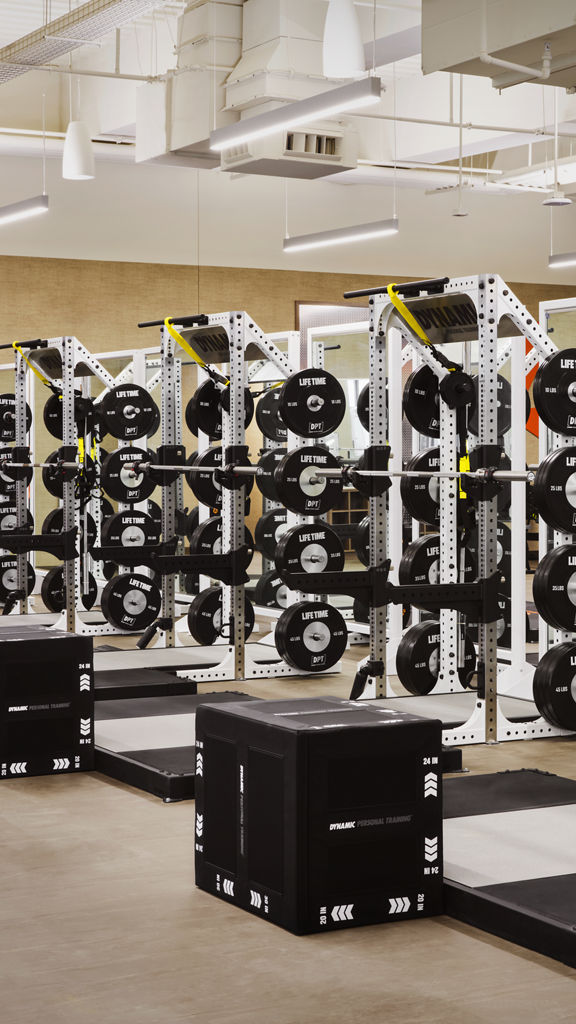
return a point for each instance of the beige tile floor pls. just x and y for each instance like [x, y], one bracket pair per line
[100, 922]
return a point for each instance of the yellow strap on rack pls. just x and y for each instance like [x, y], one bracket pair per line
[406, 314]
[183, 343]
[81, 451]
[38, 373]
[187, 347]
[464, 467]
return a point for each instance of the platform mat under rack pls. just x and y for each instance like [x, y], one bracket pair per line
[149, 742]
[510, 858]
[454, 709]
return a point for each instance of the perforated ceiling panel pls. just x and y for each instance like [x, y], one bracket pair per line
[84, 24]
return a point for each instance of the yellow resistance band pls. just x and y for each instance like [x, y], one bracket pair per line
[406, 314]
[464, 467]
[183, 343]
[17, 348]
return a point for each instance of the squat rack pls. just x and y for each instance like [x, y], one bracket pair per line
[453, 309]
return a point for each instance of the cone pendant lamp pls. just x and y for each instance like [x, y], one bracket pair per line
[78, 159]
[343, 50]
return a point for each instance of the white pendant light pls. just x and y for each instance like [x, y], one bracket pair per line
[343, 50]
[342, 236]
[78, 159]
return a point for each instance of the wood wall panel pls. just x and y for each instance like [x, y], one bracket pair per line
[102, 302]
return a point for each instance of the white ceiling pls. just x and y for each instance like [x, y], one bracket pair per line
[146, 213]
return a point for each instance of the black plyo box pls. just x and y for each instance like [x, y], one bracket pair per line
[321, 813]
[46, 702]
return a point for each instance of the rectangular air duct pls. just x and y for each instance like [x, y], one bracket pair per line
[81, 26]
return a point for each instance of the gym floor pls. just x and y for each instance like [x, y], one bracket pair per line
[101, 922]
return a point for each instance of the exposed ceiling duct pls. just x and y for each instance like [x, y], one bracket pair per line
[84, 25]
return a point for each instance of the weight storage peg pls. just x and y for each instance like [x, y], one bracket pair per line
[312, 403]
[311, 636]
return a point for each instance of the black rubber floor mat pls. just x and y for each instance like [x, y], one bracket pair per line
[505, 791]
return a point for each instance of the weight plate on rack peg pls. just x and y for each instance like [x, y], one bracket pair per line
[205, 617]
[207, 537]
[204, 485]
[130, 530]
[131, 602]
[503, 548]
[129, 412]
[53, 477]
[269, 529]
[311, 636]
[504, 403]
[54, 524]
[106, 508]
[248, 404]
[420, 562]
[363, 407]
[310, 547]
[420, 401]
[554, 587]
[554, 391]
[271, 591]
[300, 489]
[84, 416]
[53, 591]
[555, 686]
[554, 491]
[418, 658]
[362, 540]
[9, 577]
[204, 412]
[123, 484]
[155, 512]
[265, 478]
[503, 623]
[8, 418]
[7, 484]
[421, 495]
[268, 417]
[9, 518]
[312, 403]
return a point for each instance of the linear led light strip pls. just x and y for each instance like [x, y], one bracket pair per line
[342, 236]
[562, 259]
[24, 209]
[362, 93]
